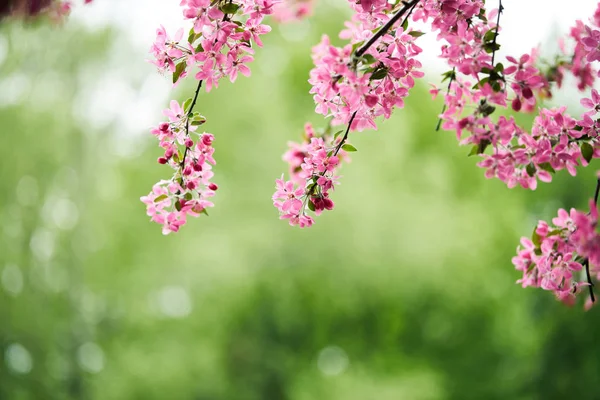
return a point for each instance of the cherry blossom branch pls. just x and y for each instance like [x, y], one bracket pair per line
[587, 260]
[189, 114]
[341, 143]
[408, 6]
[500, 9]
[452, 75]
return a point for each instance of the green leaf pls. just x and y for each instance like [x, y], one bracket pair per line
[587, 151]
[368, 59]
[547, 167]
[229, 8]
[178, 205]
[192, 36]
[535, 238]
[311, 205]
[405, 25]
[188, 196]
[474, 151]
[499, 67]
[349, 147]
[530, 169]
[160, 198]
[198, 120]
[199, 48]
[481, 82]
[186, 105]
[204, 212]
[491, 47]
[356, 46]
[338, 133]
[416, 34]
[489, 35]
[554, 232]
[178, 71]
[379, 74]
[449, 75]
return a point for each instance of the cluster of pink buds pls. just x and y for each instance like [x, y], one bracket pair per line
[555, 257]
[189, 190]
[313, 165]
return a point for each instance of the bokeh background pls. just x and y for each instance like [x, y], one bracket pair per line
[405, 291]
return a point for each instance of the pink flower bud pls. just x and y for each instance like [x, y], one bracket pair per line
[516, 104]
[213, 186]
[162, 160]
[207, 139]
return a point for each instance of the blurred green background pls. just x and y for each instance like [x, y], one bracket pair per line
[405, 291]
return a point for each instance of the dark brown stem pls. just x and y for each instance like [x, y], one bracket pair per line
[586, 262]
[341, 143]
[408, 6]
[189, 113]
[439, 123]
[500, 9]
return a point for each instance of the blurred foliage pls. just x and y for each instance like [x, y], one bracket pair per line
[405, 291]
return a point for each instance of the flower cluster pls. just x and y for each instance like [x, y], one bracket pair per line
[313, 174]
[189, 190]
[368, 80]
[554, 256]
[220, 42]
[478, 86]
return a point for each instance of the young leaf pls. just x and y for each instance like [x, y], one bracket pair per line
[587, 151]
[186, 105]
[416, 34]
[349, 147]
[178, 71]
[160, 198]
[229, 8]
[530, 169]
[379, 74]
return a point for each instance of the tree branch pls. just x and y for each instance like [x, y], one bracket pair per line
[189, 113]
[408, 6]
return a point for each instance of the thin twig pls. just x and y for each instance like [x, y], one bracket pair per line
[408, 6]
[586, 262]
[439, 123]
[500, 9]
[189, 113]
[341, 143]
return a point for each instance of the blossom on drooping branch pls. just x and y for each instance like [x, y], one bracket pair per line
[353, 85]
[478, 86]
[563, 256]
[219, 44]
[313, 175]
